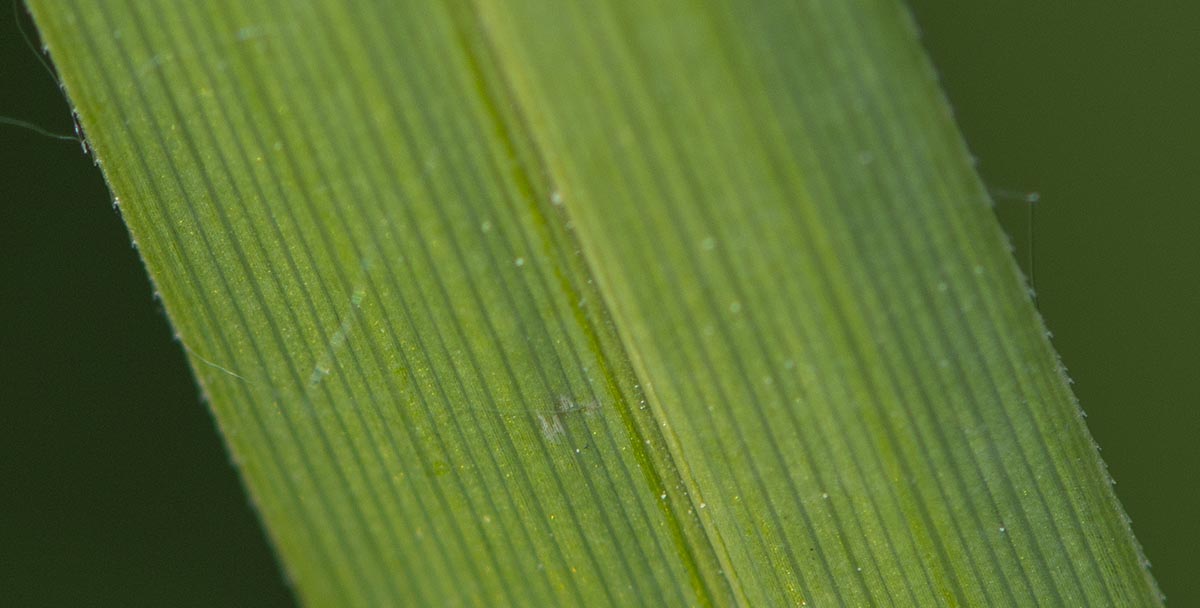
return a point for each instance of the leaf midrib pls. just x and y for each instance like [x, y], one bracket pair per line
[495, 93]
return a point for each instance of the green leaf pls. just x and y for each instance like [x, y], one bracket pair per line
[619, 303]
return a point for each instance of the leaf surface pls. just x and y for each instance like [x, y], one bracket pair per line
[620, 303]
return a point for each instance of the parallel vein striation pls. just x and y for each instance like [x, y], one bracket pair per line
[621, 303]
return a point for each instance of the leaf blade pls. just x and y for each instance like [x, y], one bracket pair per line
[401, 341]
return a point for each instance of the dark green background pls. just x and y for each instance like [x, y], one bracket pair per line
[115, 488]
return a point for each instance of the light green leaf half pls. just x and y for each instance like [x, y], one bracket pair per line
[616, 303]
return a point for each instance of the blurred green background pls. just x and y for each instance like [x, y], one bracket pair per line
[114, 485]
